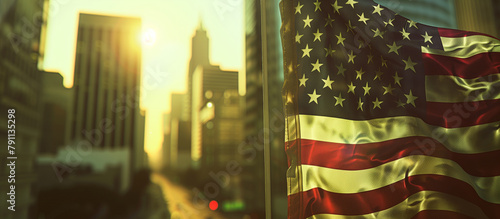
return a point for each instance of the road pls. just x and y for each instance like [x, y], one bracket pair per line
[181, 203]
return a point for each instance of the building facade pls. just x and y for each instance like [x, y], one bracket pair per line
[56, 100]
[216, 117]
[21, 23]
[106, 109]
[254, 110]
[178, 142]
[479, 16]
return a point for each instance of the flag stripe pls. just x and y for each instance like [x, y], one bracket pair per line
[393, 213]
[355, 181]
[319, 201]
[465, 47]
[440, 214]
[345, 131]
[453, 115]
[451, 89]
[365, 156]
[479, 65]
[443, 32]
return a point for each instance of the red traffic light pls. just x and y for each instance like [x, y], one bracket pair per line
[213, 205]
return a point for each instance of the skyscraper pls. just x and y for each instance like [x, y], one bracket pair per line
[254, 112]
[20, 88]
[179, 145]
[107, 78]
[216, 117]
[205, 83]
[478, 16]
[200, 56]
[56, 101]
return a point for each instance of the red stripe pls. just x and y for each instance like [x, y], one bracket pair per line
[479, 65]
[460, 33]
[319, 201]
[294, 207]
[455, 115]
[440, 214]
[365, 156]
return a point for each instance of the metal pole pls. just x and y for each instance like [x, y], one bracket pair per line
[265, 89]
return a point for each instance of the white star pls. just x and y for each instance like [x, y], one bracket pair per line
[378, 9]
[340, 39]
[360, 104]
[389, 22]
[336, 7]
[341, 69]
[376, 103]
[367, 89]
[339, 100]
[314, 97]
[298, 8]
[351, 57]
[351, 2]
[317, 36]
[328, 83]
[307, 21]
[298, 37]
[303, 80]
[316, 66]
[359, 74]
[306, 51]
[427, 38]
[393, 48]
[412, 24]
[405, 34]
[409, 64]
[362, 18]
[379, 33]
[317, 4]
[410, 99]
[351, 88]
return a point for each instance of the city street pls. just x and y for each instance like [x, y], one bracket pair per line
[180, 201]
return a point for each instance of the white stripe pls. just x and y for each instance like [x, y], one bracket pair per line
[465, 47]
[355, 181]
[453, 89]
[426, 200]
[468, 140]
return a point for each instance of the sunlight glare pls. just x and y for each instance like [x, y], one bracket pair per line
[149, 37]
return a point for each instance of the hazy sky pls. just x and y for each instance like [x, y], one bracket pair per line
[165, 62]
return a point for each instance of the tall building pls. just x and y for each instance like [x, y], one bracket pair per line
[21, 23]
[217, 129]
[216, 117]
[206, 124]
[480, 16]
[431, 12]
[107, 76]
[204, 82]
[179, 146]
[254, 114]
[496, 12]
[200, 56]
[56, 101]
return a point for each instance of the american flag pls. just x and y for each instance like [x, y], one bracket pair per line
[387, 117]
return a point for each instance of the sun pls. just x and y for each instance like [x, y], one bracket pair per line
[149, 37]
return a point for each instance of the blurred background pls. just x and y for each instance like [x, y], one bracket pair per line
[155, 108]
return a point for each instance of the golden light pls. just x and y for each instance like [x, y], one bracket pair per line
[149, 37]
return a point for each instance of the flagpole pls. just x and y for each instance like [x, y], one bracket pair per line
[265, 91]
